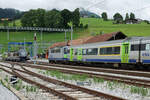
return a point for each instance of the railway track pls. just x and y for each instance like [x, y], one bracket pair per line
[128, 80]
[143, 82]
[114, 71]
[62, 89]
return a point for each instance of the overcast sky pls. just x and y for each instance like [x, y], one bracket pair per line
[141, 8]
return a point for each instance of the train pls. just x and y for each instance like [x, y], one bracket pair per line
[17, 56]
[132, 50]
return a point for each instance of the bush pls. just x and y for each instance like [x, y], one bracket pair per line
[86, 26]
[81, 25]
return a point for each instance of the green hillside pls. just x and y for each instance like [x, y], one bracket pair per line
[96, 26]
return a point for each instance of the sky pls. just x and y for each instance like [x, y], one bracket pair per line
[141, 8]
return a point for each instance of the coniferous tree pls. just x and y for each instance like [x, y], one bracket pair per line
[132, 16]
[76, 18]
[118, 18]
[127, 16]
[104, 16]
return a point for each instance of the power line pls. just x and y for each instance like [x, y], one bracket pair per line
[95, 4]
[142, 8]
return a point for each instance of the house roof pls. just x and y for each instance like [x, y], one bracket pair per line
[58, 44]
[92, 39]
[79, 41]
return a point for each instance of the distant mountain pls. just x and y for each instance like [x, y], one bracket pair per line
[10, 13]
[85, 13]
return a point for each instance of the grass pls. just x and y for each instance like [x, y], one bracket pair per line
[109, 84]
[96, 26]
[17, 23]
[30, 88]
[98, 80]
[60, 75]
[29, 37]
[139, 90]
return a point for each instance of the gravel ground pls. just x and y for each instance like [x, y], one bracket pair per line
[116, 89]
[136, 77]
[113, 88]
[29, 91]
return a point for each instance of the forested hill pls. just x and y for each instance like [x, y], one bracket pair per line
[10, 13]
[86, 13]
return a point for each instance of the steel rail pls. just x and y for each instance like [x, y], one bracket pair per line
[93, 92]
[132, 81]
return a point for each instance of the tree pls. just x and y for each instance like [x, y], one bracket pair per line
[67, 16]
[118, 18]
[53, 19]
[10, 13]
[76, 18]
[127, 16]
[29, 19]
[40, 14]
[132, 16]
[33, 18]
[104, 16]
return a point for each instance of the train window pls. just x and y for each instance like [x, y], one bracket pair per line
[56, 50]
[92, 51]
[84, 51]
[68, 51]
[65, 50]
[147, 46]
[135, 47]
[143, 47]
[109, 50]
[89, 51]
[79, 51]
[126, 49]
[52, 51]
[75, 51]
[116, 50]
[102, 51]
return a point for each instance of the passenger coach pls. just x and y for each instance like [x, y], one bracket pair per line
[135, 50]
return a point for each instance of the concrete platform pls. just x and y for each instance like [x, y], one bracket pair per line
[6, 94]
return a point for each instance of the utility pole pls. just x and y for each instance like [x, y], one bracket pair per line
[35, 49]
[65, 37]
[8, 34]
[71, 35]
[41, 35]
[24, 43]
[42, 44]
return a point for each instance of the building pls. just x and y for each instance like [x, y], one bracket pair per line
[132, 21]
[92, 39]
[6, 19]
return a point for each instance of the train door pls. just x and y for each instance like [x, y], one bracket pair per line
[65, 52]
[71, 54]
[125, 53]
[79, 56]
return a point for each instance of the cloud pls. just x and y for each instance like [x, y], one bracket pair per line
[97, 6]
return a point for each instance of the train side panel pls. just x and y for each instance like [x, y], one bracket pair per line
[56, 54]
